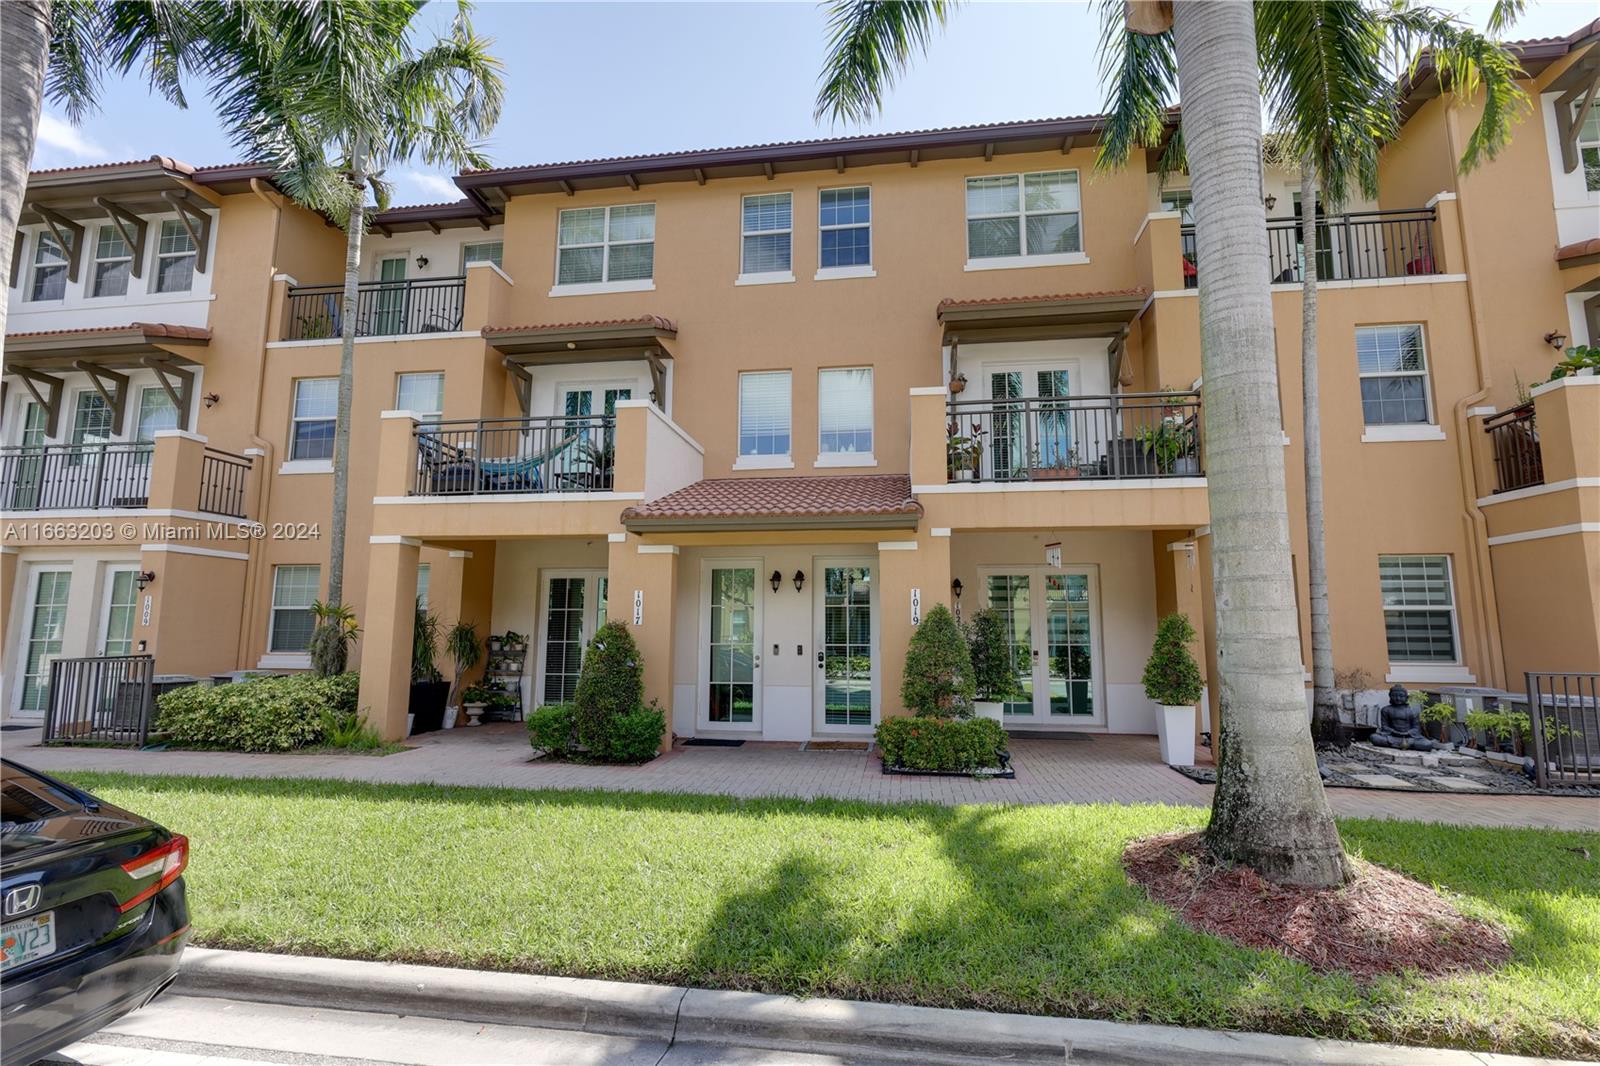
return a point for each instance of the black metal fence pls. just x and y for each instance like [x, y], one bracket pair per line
[383, 308]
[107, 700]
[1564, 716]
[1033, 438]
[1515, 442]
[51, 477]
[224, 478]
[557, 453]
[1355, 246]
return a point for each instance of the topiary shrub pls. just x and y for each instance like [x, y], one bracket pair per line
[1171, 676]
[994, 677]
[633, 737]
[552, 729]
[262, 714]
[938, 681]
[960, 745]
[610, 684]
[335, 631]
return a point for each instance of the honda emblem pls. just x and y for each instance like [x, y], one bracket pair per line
[21, 900]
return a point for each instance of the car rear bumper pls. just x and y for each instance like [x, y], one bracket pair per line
[49, 1010]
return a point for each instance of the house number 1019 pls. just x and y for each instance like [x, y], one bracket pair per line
[916, 607]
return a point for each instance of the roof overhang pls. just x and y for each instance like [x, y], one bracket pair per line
[463, 214]
[717, 524]
[631, 339]
[1423, 84]
[1097, 314]
[143, 187]
[111, 347]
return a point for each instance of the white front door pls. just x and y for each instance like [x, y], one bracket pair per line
[574, 607]
[730, 645]
[845, 613]
[117, 613]
[47, 623]
[1037, 435]
[1052, 621]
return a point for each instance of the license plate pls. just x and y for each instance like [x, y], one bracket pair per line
[33, 937]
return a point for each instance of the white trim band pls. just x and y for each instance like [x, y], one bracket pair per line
[392, 538]
[897, 545]
[1540, 490]
[658, 549]
[184, 549]
[1095, 485]
[510, 497]
[1549, 531]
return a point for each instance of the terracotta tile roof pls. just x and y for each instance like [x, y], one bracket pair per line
[163, 160]
[149, 329]
[1578, 249]
[666, 325]
[854, 496]
[949, 303]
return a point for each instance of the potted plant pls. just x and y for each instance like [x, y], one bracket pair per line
[1582, 359]
[958, 384]
[464, 649]
[1434, 712]
[938, 678]
[1058, 467]
[1172, 679]
[1170, 442]
[473, 701]
[429, 689]
[993, 677]
[964, 452]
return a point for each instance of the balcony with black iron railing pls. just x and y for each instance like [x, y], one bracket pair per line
[514, 456]
[1062, 438]
[1357, 246]
[383, 308]
[111, 476]
[1514, 444]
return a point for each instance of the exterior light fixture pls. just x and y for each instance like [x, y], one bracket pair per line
[144, 578]
[422, 262]
[1271, 201]
[1556, 339]
[212, 399]
[799, 580]
[777, 579]
[955, 588]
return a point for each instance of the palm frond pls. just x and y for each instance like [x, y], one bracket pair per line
[1140, 72]
[73, 76]
[870, 43]
[1503, 15]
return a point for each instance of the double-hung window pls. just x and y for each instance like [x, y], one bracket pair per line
[49, 269]
[764, 418]
[156, 412]
[482, 252]
[112, 261]
[91, 426]
[1031, 217]
[175, 257]
[844, 417]
[1588, 140]
[294, 590]
[421, 394]
[606, 245]
[1393, 367]
[845, 243]
[1419, 609]
[316, 402]
[767, 236]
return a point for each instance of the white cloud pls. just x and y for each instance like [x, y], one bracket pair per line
[62, 136]
[420, 186]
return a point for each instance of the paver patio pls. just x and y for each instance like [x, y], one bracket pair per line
[1098, 769]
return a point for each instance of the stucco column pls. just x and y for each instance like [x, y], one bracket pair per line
[175, 470]
[185, 640]
[642, 593]
[397, 454]
[1183, 571]
[929, 461]
[917, 565]
[386, 634]
[1158, 251]
[9, 559]
[1448, 255]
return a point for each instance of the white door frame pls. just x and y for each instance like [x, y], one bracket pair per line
[702, 711]
[108, 580]
[819, 568]
[25, 632]
[1039, 631]
[587, 624]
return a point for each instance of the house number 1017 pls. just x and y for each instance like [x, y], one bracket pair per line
[638, 607]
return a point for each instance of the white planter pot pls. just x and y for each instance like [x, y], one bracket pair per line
[410, 721]
[985, 709]
[450, 714]
[474, 712]
[1175, 729]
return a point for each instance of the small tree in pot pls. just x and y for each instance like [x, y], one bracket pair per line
[429, 689]
[939, 680]
[993, 676]
[1172, 679]
[464, 649]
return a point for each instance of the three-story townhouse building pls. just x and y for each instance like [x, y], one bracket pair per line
[769, 405]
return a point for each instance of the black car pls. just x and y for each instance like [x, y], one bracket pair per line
[95, 917]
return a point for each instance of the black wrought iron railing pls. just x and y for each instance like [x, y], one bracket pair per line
[553, 453]
[224, 479]
[1564, 720]
[383, 308]
[108, 699]
[75, 477]
[1034, 438]
[1356, 246]
[1514, 440]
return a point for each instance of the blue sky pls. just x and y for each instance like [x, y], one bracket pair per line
[596, 79]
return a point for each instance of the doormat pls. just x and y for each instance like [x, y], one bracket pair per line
[834, 745]
[9, 728]
[1045, 734]
[712, 742]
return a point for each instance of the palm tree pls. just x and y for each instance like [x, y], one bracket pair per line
[334, 129]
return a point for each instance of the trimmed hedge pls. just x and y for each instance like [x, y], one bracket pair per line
[610, 684]
[938, 681]
[262, 714]
[553, 728]
[631, 737]
[928, 743]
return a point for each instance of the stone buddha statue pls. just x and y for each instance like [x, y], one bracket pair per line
[1400, 724]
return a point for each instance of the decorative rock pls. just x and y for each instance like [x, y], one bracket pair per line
[1383, 781]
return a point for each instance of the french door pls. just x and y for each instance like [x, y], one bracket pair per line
[1036, 438]
[574, 606]
[46, 627]
[391, 312]
[1051, 620]
[846, 639]
[730, 645]
[117, 613]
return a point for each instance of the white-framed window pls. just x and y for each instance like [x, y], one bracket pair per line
[1588, 141]
[845, 218]
[599, 245]
[844, 413]
[1419, 609]
[175, 257]
[482, 252]
[91, 425]
[424, 583]
[49, 269]
[764, 414]
[1393, 366]
[1181, 201]
[156, 412]
[421, 394]
[316, 405]
[294, 590]
[1024, 215]
[767, 233]
[122, 601]
[113, 260]
[46, 630]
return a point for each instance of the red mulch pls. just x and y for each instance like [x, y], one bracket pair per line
[1381, 922]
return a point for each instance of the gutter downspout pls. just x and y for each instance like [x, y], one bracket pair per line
[1476, 527]
[264, 491]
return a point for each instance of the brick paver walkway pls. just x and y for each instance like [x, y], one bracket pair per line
[1099, 769]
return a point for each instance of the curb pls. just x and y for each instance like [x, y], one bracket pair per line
[926, 1035]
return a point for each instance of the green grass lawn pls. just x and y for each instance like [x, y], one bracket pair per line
[1001, 908]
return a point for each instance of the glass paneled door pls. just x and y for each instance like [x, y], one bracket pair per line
[730, 682]
[391, 312]
[846, 643]
[1051, 619]
[46, 627]
[1040, 438]
[574, 607]
[116, 620]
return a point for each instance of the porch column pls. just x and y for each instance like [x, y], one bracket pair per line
[1180, 576]
[185, 640]
[9, 558]
[175, 463]
[474, 572]
[386, 633]
[920, 565]
[642, 593]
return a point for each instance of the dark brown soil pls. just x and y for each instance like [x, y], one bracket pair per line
[1381, 922]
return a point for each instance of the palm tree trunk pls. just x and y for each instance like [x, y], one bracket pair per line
[1269, 811]
[1324, 704]
[24, 55]
[347, 369]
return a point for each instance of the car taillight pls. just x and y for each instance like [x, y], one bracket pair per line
[164, 863]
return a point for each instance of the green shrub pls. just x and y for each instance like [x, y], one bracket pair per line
[611, 683]
[938, 680]
[347, 730]
[335, 631]
[263, 714]
[1171, 676]
[551, 729]
[932, 743]
[633, 737]
[994, 675]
